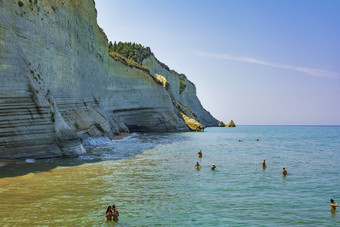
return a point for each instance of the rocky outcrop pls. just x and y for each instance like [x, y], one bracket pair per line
[193, 124]
[187, 97]
[221, 124]
[231, 124]
[60, 87]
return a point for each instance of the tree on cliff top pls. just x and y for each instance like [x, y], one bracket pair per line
[132, 51]
[137, 53]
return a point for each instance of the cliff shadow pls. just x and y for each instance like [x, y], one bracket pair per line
[98, 150]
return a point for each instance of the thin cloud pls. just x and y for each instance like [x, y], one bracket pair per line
[309, 71]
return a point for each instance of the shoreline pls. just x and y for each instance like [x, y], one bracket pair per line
[11, 162]
[17, 165]
[122, 146]
[10, 167]
[121, 135]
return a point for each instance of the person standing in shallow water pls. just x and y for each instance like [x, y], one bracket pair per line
[197, 165]
[284, 172]
[333, 204]
[213, 167]
[200, 153]
[115, 213]
[108, 214]
[264, 164]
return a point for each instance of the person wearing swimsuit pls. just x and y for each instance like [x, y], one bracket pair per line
[197, 166]
[108, 214]
[115, 213]
[264, 164]
[333, 204]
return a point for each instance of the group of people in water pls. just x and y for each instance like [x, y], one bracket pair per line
[264, 165]
[198, 166]
[111, 213]
[213, 167]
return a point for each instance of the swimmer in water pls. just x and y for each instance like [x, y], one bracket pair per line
[108, 214]
[115, 213]
[264, 164]
[197, 166]
[284, 171]
[213, 167]
[333, 204]
[199, 153]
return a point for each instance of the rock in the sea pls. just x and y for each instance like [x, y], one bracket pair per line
[231, 124]
[221, 124]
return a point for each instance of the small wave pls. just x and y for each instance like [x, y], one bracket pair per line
[129, 136]
[30, 160]
[2, 164]
[127, 146]
[91, 141]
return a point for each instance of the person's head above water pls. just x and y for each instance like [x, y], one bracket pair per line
[197, 163]
[332, 201]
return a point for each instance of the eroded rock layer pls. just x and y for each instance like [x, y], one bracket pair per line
[60, 87]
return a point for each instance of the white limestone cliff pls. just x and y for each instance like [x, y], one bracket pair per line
[59, 86]
[187, 98]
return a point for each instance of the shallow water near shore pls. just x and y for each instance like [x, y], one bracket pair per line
[152, 181]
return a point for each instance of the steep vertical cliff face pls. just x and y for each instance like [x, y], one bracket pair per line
[60, 87]
[187, 99]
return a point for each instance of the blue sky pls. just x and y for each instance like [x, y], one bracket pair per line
[254, 61]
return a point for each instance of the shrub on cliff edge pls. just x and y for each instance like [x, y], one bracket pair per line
[20, 3]
[132, 51]
[128, 62]
[133, 54]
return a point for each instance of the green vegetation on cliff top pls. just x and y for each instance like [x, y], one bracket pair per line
[131, 51]
[133, 54]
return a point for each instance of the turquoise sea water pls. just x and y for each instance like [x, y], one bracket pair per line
[159, 186]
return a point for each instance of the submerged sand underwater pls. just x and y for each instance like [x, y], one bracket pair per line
[161, 187]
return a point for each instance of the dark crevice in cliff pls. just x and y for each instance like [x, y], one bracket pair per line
[132, 109]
